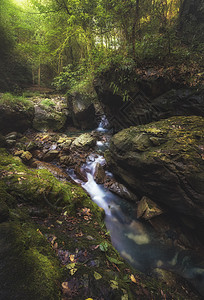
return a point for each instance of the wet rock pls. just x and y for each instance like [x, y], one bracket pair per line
[50, 155]
[99, 174]
[171, 173]
[168, 277]
[85, 141]
[81, 174]
[47, 118]
[148, 209]
[82, 110]
[121, 190]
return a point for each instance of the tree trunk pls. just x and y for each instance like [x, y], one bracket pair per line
[39, 75]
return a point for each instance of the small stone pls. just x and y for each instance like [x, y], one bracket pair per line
[10, 143]
[61, 140]
[26, 156]
[50, 155]
[66, 160]
[11, 136]
[90, 238]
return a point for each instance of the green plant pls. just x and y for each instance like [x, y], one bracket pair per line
[67, 79]
[47, 102]
[12, 100]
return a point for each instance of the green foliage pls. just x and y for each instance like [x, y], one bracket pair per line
[74, 40]
[48, 102]
[12, 100]
[66, 79]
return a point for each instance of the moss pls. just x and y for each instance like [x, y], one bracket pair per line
[47, 102]
[8, 99]
[40, 187]
[181, 135]
[30, 269]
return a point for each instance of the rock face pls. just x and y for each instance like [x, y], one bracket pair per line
[164, 161]
[191, 21]
[48, 118]
[148, 100]
[15, 117]
[82, 110]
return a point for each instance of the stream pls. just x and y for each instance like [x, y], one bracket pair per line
[135, 240]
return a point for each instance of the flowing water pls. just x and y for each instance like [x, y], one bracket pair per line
[135, 240]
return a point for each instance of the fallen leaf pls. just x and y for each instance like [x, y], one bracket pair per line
[103, 246]
[97, 276]
[132, 277]
[55, 246]
[73, 271]
[115, 261]
[71, 257]
[70, 266]
[114, 284]
[65, 287]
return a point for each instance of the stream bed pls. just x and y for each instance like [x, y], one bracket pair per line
[135, 240]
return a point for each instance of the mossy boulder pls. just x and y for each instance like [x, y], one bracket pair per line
[39, 187]
[16, 113]
[48, 118]
[164, 161]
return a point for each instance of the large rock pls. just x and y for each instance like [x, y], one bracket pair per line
[84, 141]
[82, 110]
[164, 161]
[141, 101]
[99, 174]
[15, 116]
[47, 118]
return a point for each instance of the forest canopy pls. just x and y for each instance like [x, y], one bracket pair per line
[41, 39]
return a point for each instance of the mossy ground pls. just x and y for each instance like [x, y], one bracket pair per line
[54, 244]
[12, 101]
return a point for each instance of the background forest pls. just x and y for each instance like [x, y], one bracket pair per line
[67, 43]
